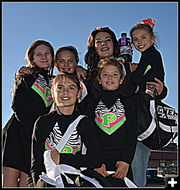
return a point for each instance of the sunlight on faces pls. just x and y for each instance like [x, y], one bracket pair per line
[65, 92]
[104, 45]
[42, 57]
[110, 78]
[142, 40]
[66, 61]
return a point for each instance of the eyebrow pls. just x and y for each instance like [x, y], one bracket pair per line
[73, 85]
[141, 35]
[105, 37]
[41, 52]
[110, 71]
[68, 85]
[69, 59]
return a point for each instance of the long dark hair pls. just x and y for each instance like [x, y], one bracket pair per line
[91, 57]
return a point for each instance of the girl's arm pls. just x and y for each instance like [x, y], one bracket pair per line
[132, 132]
[22, 103]
[23, 71]
[160, 88]
[81, 72]
[38, 148]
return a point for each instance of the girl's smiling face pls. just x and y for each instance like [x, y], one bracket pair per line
[42, 57]
[66, 61]
[142, 40]
[110, 78]
[66, 92]
[104, 45]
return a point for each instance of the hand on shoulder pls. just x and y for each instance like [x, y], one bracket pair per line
[23, 71]
[158, 86]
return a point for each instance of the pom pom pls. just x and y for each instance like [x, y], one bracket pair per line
[149, 21]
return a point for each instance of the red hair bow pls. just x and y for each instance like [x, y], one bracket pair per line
[149, 21]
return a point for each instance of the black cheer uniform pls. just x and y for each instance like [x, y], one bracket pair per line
[32, 99]
[149, 67]
[115, 126]
[49, 130]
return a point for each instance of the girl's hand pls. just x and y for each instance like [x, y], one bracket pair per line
[133, 66]
[55, 156]
[23, 71]
[150, 89]
[102, 170]
[122, 170]
[81, 72]
[157, 85]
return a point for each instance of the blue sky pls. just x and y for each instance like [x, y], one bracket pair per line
[71, 23]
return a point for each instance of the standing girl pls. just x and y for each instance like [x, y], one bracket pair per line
[31, 99]
[148, 76]
[115, 123]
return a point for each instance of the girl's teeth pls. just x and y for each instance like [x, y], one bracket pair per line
[65, 98]
[104, 49]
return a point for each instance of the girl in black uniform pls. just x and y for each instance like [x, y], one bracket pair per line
[115, 123]
[31, 99]
[50, 128]
[149, 73]
[150, 66]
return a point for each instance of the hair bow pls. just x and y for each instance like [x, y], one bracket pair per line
[149, 21]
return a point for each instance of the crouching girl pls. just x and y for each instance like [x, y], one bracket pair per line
[115, 123]
[49, 131]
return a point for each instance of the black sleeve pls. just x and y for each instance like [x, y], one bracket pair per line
[38, 148]
[134, 79]
[81, 106]
[138, 75]
[132, 132]
[22, 102]
[92, 158]
[153, 59]
[127, 68]
[164, 93]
